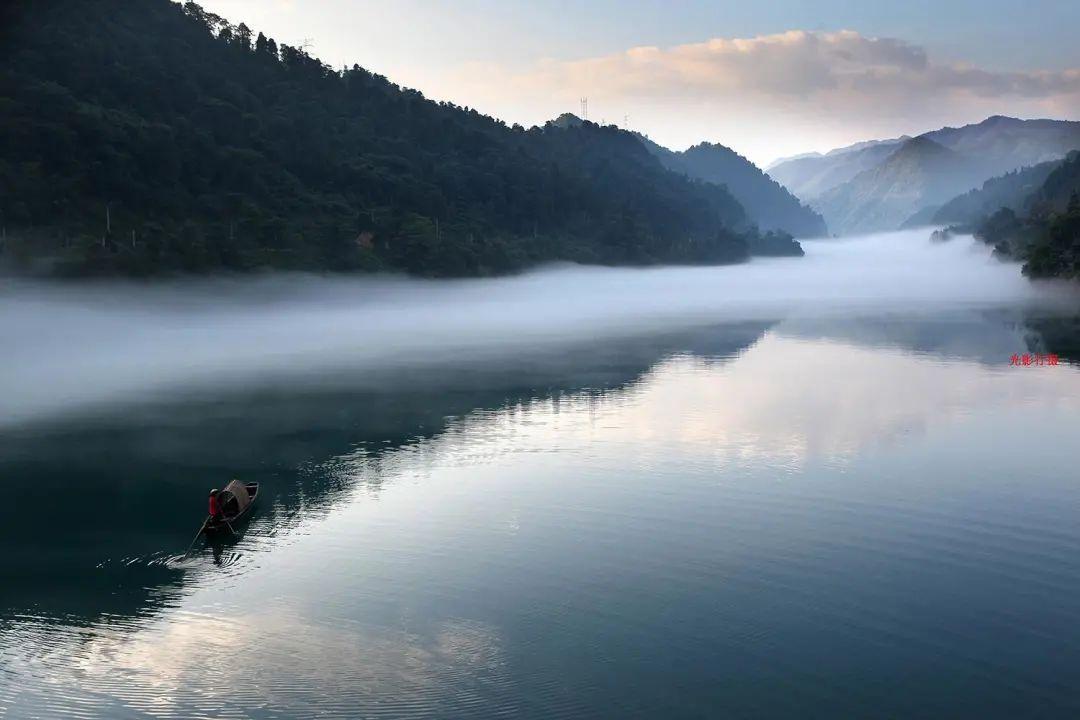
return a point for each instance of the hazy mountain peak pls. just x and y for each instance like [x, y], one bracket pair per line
[811, 176]
[920, 147]
[882, 197]
[767, 202]
[864, 145]
[879, 184]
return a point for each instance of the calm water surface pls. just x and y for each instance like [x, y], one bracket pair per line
[773, 513]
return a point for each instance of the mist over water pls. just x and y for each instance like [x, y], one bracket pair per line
[73, 346]
[800, 487]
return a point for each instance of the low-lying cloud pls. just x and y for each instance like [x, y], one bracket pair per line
[70, 347]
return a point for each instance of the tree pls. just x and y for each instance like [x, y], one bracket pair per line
[243, 37]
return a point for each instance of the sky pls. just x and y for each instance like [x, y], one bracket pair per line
[768, 79]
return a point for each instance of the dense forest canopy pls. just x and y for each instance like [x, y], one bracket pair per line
[1045, 235]
[141, 137]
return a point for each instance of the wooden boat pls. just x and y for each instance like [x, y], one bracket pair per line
[235, 501]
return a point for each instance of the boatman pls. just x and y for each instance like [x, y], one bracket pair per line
[215, 510]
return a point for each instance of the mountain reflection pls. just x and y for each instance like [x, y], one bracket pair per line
[752, 404]
[124, 489]
[989, 337]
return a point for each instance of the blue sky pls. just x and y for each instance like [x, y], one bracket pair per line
[527, 61]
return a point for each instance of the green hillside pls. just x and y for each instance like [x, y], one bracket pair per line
[146, 137]
[1047, 236]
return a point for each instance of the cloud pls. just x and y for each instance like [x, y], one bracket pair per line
[798, 64]
[791, 63]
[817, 87]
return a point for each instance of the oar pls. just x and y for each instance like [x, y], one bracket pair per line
[196, 538]
[229, 524]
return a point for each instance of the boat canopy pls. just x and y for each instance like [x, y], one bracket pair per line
[234, 491]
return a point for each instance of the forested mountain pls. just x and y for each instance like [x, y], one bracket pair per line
[1058, 190]
[767, 202]
[1010, 190]
[144, 136]
[883, 197]
[1046, 234]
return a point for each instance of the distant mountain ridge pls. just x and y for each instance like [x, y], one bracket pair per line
[809, 177]
[883, 185]
[766, 202]
[854, 147]
[1003, 144]
[1011, 190]
[884, 196]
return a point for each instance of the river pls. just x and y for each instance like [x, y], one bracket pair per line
[804, 487]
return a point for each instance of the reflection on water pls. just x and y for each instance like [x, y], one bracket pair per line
[775, 513]
[762, 519]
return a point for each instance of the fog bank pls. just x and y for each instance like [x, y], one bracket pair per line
[71, 346]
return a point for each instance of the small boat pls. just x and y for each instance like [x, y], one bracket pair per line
[235, 501]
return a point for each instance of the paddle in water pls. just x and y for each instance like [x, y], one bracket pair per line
[196, 538]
